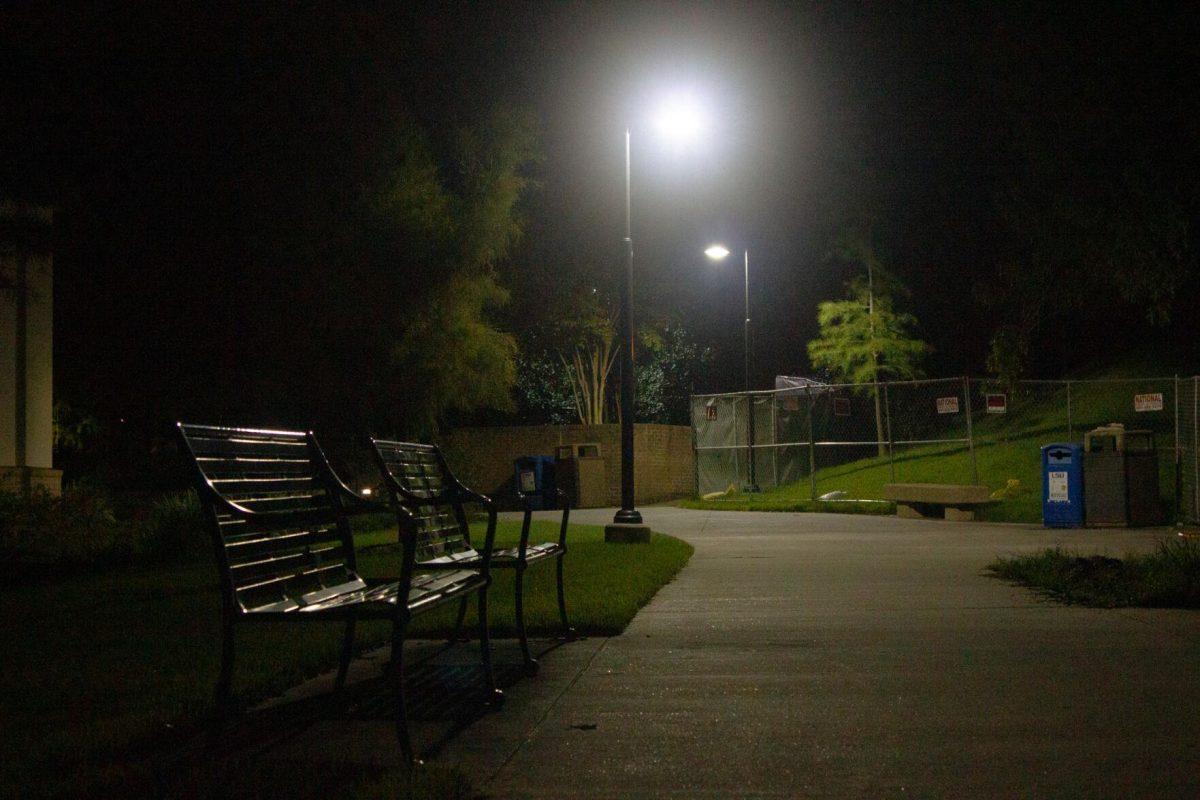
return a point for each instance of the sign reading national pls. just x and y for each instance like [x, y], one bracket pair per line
[1148, 402]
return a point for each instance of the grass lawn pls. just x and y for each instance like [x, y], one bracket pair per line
[101, 666]
[1168, 578]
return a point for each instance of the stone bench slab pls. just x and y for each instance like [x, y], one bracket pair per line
[952, 501]
[949, 494]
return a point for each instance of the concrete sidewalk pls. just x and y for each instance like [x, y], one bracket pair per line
[846, 656]
[808, 655]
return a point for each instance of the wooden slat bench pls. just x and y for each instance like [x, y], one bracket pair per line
[419, 481]
[279, 519]
[958, 502]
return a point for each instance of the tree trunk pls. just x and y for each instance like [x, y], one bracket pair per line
[878, 408]
[879, 422]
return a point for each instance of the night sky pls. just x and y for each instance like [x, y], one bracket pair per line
[175, 142]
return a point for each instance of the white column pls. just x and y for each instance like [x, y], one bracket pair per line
[26, 349]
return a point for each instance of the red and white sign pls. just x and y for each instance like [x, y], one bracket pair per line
[1148, 402]
[997, 404]
[710, 413]
[947, 405]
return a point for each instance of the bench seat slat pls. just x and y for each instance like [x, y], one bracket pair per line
[426, 592]
[248, 447]
[253, 544]
[249, 466]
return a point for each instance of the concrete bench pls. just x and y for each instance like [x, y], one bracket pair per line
[952, 501]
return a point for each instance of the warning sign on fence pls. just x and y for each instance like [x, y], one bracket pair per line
[997, 404]
[1148, 402]
[947, 405]
[841, 406]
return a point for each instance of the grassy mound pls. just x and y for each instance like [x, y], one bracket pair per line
[1007, 453]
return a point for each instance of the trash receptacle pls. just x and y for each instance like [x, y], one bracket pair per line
[581, 475]
[1121, 472]
[535, 474]
[1062, 485]
[1143, 503]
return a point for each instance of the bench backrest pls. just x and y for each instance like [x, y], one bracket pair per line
[420, 482]
[301, 551]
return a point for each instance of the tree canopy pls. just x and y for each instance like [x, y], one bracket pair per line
[857, 346]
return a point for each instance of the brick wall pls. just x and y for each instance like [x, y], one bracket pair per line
[664, 463]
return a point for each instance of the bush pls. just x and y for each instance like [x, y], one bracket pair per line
[173, 529]
[83, 528]
[1167, 578]
[78, 527]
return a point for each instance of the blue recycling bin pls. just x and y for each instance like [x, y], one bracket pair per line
[1062, 485]
[535, 474]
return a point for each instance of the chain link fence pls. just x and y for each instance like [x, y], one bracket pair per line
[854, 438]
[1188, 413]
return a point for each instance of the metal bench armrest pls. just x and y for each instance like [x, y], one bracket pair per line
[527, 518]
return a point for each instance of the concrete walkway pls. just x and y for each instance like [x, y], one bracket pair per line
[843, 656]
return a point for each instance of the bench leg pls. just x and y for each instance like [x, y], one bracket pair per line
[568, 631]
[396, 670]
[225, 679]
[347, 655]
[495, 696]
[457, 636]
[531, 664]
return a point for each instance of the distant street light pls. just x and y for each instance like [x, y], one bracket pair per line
[718, 252]
[682, 120]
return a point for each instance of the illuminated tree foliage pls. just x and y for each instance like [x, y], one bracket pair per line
[458, 221]
[863, 342]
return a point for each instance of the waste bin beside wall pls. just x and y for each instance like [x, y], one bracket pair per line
[534, 474]
[1062, 485]
[582, 474]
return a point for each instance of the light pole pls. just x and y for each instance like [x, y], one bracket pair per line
[680, 119]
[718, 252]
[628, 514]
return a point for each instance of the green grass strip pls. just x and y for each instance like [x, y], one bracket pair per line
[1166, 578]
[102, 666]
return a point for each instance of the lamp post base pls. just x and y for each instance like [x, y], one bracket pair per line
[625, 533]
[627, 516]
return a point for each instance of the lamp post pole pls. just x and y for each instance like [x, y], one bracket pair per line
[746, 262]
[719, 252]
[628, 513]
[753, 487]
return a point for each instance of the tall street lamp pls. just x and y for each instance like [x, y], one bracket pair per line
[682, 120]
[719, 252]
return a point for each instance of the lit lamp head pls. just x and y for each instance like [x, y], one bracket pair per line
[681, 120]
[717, 252]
